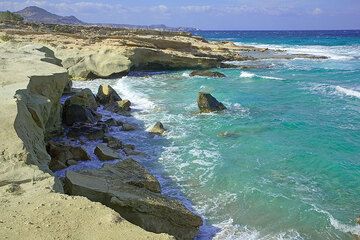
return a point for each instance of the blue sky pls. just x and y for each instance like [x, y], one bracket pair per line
[210, 14]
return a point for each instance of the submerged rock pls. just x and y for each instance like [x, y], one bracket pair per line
[207, 103]
[204, 73]
[106, 95]
[158, 129]
[104, 153]
[63, 155]
[132, 191]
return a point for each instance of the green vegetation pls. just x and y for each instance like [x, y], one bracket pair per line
[6, 38]
[10, 17]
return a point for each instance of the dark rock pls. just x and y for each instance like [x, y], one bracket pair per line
[68, 88]
[158, 129]
[124, 105]
[132, 191]
[63, 155]
[112, 142]
[128, 127]
[207, 103]
[119, 107]
[106, 95]
[113, 123]
[104, 153]
[83, 98]
[78, 114]
[204, 73]
[90, 131]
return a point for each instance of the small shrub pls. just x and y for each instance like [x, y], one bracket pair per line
[6, 38]
[10, 17]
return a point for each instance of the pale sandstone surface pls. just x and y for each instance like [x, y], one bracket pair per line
[29, 206]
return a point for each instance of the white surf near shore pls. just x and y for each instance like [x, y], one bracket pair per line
[347, 92]
[342, 53]
[244, 74]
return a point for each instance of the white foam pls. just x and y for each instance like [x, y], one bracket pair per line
[126, 91]
[341, 53]
[186, 74]
[348, 92]
[247, 75]
[244, 74]
[231, 231]
[355, 230]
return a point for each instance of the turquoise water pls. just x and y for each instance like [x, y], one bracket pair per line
[289, 165]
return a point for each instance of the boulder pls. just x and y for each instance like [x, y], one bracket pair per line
[158, 129]
[63, 155]
[112, 142]
[204, 73]
[207, 103]
[104, 63]
[90, 131]
[79, 114]
[104, 153]
[124, 105]
[83, 98]
[128, 127]
[119, 107]
[358, 220]
[106, 95]
[132, 191]
[111, 122]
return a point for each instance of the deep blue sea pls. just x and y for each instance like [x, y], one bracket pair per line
[283, 162]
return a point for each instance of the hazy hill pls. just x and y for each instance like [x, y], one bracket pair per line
[39, 15]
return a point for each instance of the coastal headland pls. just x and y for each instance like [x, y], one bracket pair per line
[37, 64]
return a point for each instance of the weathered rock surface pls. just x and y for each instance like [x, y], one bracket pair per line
[128, 127]
[80, 108]
[112, 142]
[104, 153]
[207, 74]
[137, 200]
[207, 103]
[90, 131]
[103, 63]
[78, 114]
[84, 98]
[25, 177]
[107, 95]
[63, 155]
[158, 129]
[119, 107]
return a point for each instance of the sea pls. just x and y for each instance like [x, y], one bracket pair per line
[282, 162]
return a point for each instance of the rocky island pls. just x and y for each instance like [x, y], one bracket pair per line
[122, 198]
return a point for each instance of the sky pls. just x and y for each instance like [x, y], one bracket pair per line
[209, 14]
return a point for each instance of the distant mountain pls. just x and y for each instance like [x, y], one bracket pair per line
[160, 27]
[39, 15]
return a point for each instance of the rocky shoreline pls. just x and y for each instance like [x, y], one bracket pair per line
[37, 64]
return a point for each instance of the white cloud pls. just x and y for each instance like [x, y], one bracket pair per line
[197, 8]
[160, 9]
[317, 11]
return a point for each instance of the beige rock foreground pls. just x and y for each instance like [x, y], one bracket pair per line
[29, 207]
